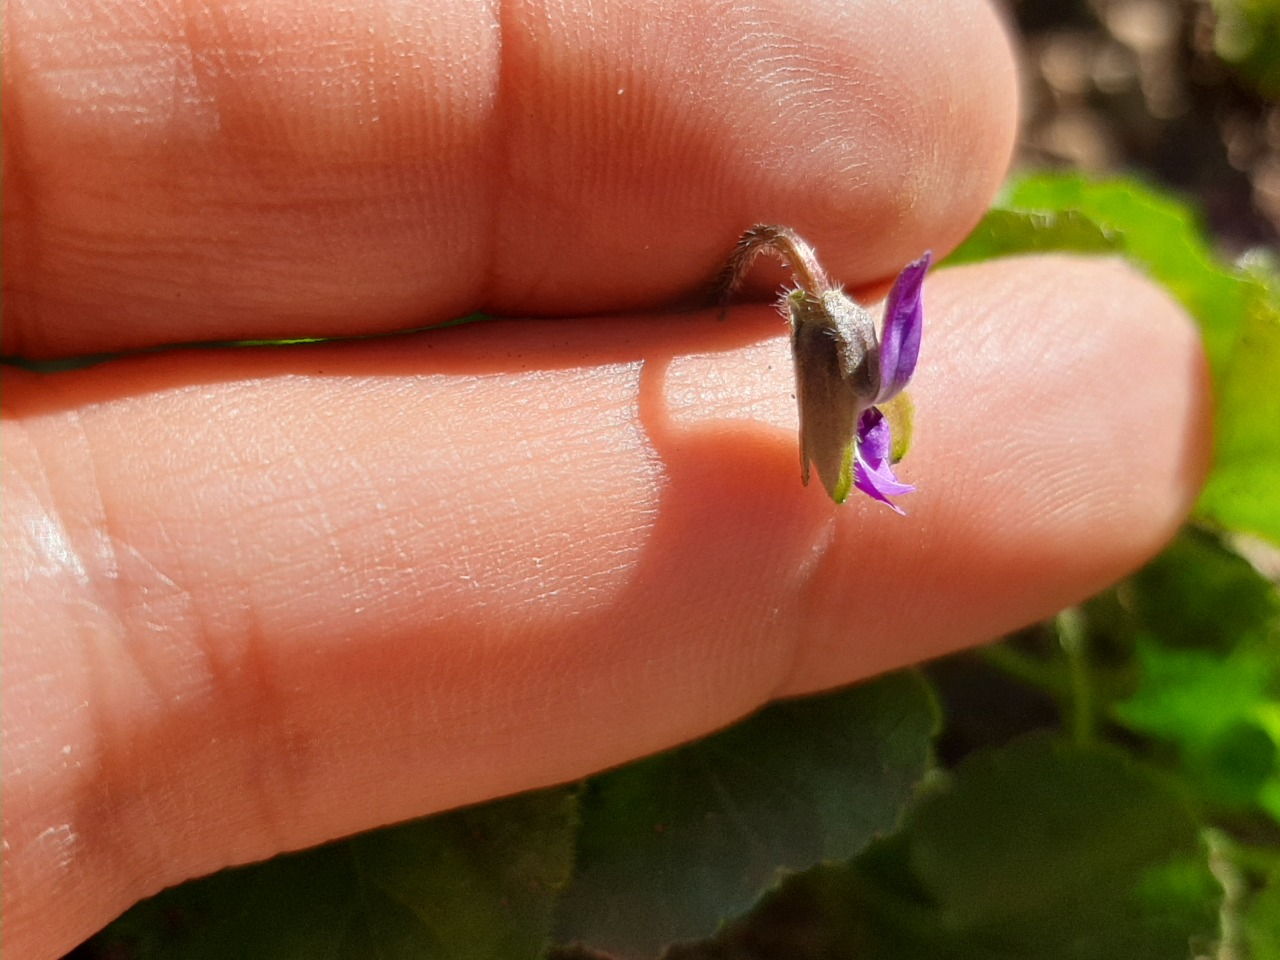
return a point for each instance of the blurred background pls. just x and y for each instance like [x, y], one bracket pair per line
[1182, 93]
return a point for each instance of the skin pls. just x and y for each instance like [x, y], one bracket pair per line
[256, 600]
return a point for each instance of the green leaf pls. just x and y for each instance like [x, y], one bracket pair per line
[1243, 491]
[1198, 594]
[1005, 232]
[1064, 851]
[1038, 849]
[673, 845]
[1221, 712]
[1206, 628]
[477, 883]
[1192, 695]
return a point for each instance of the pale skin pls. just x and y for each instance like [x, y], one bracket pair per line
[256, 600]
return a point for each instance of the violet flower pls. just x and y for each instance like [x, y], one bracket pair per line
[844, 371]
[897, 353]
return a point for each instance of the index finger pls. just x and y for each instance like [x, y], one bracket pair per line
[278, 168]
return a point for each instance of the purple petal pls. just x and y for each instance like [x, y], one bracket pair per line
[884, 481]
[872, 472]
[878, 486]
[875, 439]
[903, 322]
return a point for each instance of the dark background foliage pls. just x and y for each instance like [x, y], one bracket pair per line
[1139, 86]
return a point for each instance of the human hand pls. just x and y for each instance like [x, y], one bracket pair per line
[259, 599]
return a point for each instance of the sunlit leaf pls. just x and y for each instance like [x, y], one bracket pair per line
[1243, 492]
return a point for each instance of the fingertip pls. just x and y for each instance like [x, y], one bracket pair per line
[1100, 404]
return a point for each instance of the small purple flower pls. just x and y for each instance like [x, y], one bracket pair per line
[844, 370]
[899, 349]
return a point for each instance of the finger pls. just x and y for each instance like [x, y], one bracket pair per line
[349, 585]
[272, 168]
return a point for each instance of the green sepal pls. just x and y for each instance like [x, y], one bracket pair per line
[901, 414]
[844, 483]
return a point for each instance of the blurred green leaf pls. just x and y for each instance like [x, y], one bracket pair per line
[1199, 594]
[1190, 694]
[673, 845]
[1207, 630]
[1221, 712]
[1063, 851]
[1037, 849]
[478, 883]
[1243, 491]
[1005, 232]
